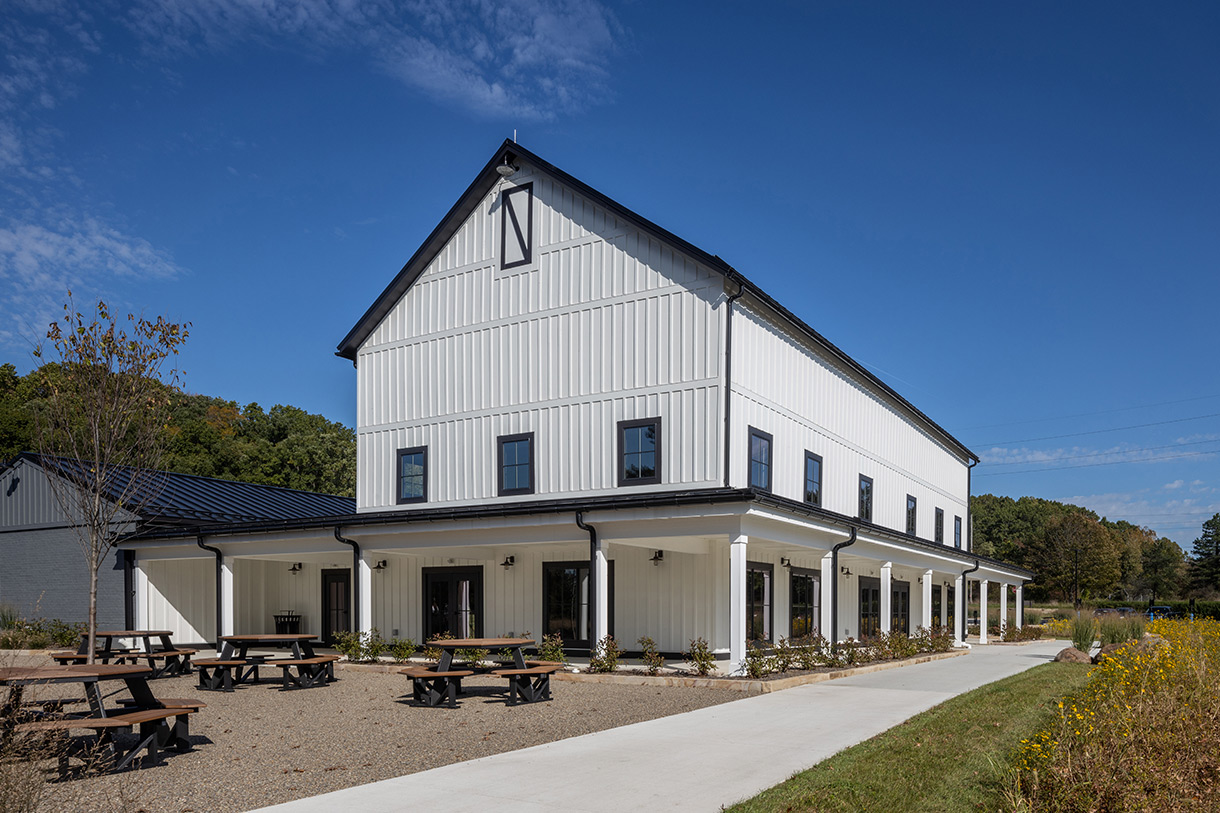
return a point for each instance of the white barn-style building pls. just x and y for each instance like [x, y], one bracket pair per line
[571, 420]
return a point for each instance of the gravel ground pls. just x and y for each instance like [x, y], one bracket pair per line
[258, 745]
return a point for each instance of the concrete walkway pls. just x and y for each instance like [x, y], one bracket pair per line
[698, 761]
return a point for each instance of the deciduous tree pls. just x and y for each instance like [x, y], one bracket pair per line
[1205, 569]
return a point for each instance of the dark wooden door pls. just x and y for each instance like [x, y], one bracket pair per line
[336, 604]
[453, 602]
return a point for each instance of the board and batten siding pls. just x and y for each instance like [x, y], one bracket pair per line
[605, 324]
[784, 386]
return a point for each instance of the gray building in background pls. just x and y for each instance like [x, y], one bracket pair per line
[42, 564]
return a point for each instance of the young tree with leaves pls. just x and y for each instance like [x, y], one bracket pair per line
[99, 423]
[1205, 569]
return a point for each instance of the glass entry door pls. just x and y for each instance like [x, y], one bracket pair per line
[565, 601]
[453, 602]
[900, 607]
[870, 607]
[934, 621]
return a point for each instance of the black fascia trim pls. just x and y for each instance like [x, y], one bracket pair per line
[507, 213]
[515, 153]
[860, 498]
[399, 455]
[912, 515]
[817, 458]
[752, 433]
[501, 491]
[622, 455]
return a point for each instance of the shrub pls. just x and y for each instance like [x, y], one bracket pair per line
[700, 657]
[1083, 632]
[1120, 630]
[758, 663]
[1059, 628]
[401, 649]
[652, 659]
[605, 655]
[8, 616]
[36, 633]
[473, 657]
[360, 647]
[433, 653]
[551, 648]
[1030, 632]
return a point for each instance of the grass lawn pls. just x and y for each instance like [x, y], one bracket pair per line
[950, 758]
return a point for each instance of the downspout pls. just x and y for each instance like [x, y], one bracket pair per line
[219, 598]
[129, 588]
[594, 632]
[834, 589]
[355, 576]
[728, 375]
[969, 513]
[965, 600]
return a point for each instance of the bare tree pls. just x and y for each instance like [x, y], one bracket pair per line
[99, 425]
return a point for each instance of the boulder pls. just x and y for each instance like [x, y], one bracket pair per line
[1106, 651]
[1072, 655]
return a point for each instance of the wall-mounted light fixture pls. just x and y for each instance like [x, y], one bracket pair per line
[784, 561]
[657, 558]
[380, 565]
[846, 571]
[295, 569]
[919, 580]
[508, 562]
[506, 169]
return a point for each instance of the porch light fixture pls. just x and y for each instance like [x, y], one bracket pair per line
[295, 569]
[506, 169]
[508, 562]
[846, 571]
[380, 565]
[657, 558]
[785, 561]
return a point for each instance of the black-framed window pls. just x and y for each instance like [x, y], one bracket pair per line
[911, 507]
[813, 478]
[453, 601]
[517, 226]
[900, 607]
[760, 459]
[870, 607]
[515, 464]
[866, 498]
[639, 452]
[940, 525]
[957, 532]
[760, 590]
[413, 475]
[805, 602]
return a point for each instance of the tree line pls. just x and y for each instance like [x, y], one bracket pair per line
[1077, 554]
[281, 446]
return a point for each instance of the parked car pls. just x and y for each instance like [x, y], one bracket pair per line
[1160, 611]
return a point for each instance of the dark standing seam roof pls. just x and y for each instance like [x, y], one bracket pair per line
[514, 153]
[188, 498]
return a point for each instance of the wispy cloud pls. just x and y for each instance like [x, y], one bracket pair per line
[1178, 517]
[999, 459]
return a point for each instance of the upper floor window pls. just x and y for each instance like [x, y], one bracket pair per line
[760, 459]
[639, 452]
[813, 478]
[940, 525]
[516, 464]
[911, 515]
[866, 498]
[957, 532]
[516, 226]
[413, 475]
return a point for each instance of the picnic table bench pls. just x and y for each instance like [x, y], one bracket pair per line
[156, 733]
[531, 684]
[431, 687]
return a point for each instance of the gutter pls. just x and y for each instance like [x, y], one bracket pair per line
[966, 592]
[355, 575]
[219, 597]
[728, 375]
[834, 588]
[595, 634]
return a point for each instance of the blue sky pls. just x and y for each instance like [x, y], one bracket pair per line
[1008, 213]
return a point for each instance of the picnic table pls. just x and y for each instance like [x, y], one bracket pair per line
[176, 661]
[432, 686]
[235, 664]
[162, 723]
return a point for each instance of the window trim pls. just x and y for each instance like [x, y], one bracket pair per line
[805, 490]
[760, 434]
[622, 427]
[501, 491]
[912, 515]
[860, 513]
[528, 252]
[939, 529]
[398, 456]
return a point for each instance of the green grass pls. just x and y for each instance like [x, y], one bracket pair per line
[953, 757]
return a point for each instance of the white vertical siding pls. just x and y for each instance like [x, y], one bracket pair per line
[785, 387]
[606, 324]
[180, 596]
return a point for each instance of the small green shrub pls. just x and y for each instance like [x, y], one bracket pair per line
[361, 647]
[700, 657]
[433, 653]
[1084, 632]
[401, 649]
[605, 655]
[473, 657]
[652, 659]
[1030, 632]
[551, 648]
[8, 616]
[758, 663]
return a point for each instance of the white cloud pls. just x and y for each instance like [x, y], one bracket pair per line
[1177, 517]
[1174, 485]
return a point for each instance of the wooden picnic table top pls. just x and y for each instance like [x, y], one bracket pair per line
[72, 672]
[127, 633]
[480, 643]
[303, 636]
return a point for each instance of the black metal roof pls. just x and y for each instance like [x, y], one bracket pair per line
[514, 153]
[165, 497]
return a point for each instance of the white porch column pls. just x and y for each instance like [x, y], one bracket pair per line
[926, 616]
[828, 580]
[601, 579]
[1003, 607]
[1020, 608]
[226, 596]
[887, 596]
[737, 601]
[959, 610]
[364, 612]
[983, 611]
